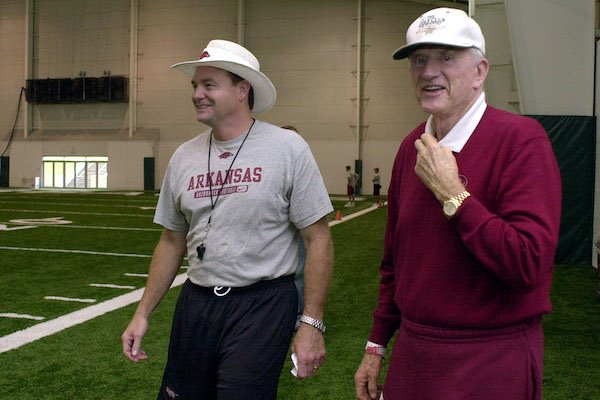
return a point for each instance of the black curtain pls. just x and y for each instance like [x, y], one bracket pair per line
[574, 141]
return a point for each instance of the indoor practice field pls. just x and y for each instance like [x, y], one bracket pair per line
[80, 259]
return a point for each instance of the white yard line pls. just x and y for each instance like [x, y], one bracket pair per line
[136, 275]
[47, 328]
[356, 214]
[76, 213]
[96, 253]
[70, 299]
[22, 316]
[53, 203]
[68, 191]
[340, 198]
[111, 286]
[5, 228]
[116, 228]
[50, 327]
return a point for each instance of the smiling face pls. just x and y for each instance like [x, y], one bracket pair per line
[447, 80]
[216, 97]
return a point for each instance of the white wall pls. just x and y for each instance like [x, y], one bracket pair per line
[12, 37]
[25, 163]
[126, 163]
[307, 48]
[501, 86]
[126, 159]
[554, 51]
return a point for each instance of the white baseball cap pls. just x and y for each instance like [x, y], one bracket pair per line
[238, 60]
[443, 27]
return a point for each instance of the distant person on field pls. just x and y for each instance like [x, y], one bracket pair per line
[474, 208]
[352, 179]
[237, 208]
[376, 185]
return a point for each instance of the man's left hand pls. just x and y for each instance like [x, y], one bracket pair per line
[309, 346]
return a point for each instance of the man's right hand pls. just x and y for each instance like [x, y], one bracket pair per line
[365, 379]
[132, 339]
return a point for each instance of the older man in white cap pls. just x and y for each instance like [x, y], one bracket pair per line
[236, 200]
[473, 223]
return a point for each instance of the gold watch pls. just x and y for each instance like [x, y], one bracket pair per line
[452, 204]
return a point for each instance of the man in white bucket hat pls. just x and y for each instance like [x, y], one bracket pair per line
[236, 199]
[473, 221]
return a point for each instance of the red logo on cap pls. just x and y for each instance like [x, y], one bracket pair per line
[204, 55]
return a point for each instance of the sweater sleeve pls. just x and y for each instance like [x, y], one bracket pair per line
[387, 316]
[516, 240]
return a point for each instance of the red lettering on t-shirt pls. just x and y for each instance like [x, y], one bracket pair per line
[257, 174]
[247, 176]
[237, 175]
[219, 180]
[228, 176]
[209, 179]
[191, 184]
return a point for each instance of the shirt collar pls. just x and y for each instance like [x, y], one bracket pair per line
[456, 139]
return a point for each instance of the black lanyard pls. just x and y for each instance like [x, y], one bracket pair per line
[201, 248]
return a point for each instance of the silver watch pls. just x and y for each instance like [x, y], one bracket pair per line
[315, 323]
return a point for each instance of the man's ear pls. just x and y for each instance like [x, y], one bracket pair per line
[243, 90]
[483, 67]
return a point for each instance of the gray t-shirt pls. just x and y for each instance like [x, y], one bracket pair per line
[274, 189]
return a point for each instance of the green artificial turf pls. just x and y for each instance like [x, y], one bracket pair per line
[85, 361]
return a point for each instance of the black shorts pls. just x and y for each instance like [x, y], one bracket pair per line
[233, 346]
[376, 189]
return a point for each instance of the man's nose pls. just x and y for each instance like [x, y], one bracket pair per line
[430, 68]
[198, 93]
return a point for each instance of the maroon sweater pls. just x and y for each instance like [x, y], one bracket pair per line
[491, 265]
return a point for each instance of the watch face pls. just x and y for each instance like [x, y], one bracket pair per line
[449, 208]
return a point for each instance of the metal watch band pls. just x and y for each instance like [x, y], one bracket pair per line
[461, 197]
[315, 323]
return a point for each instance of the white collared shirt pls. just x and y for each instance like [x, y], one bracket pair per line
[456, 139]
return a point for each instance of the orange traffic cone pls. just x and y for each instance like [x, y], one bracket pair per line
[338, 216]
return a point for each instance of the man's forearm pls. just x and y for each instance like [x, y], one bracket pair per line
[165, 263]
[318, 268]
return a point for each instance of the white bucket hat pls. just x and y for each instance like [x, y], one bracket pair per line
[445, 27]
[236, 59]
